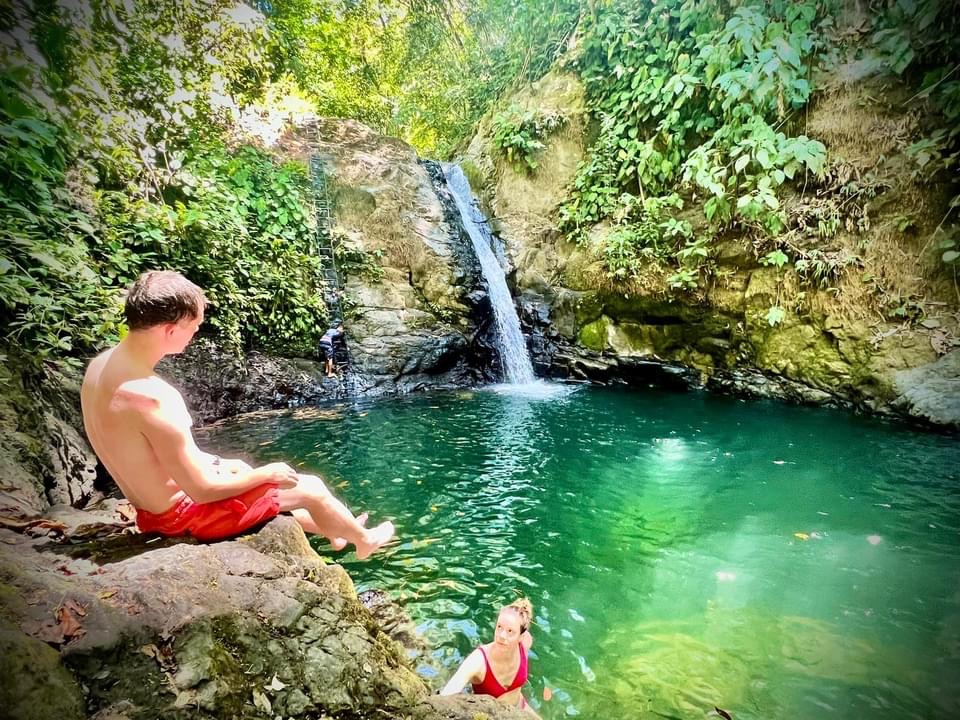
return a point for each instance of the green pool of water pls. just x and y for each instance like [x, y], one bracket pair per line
[682, 551]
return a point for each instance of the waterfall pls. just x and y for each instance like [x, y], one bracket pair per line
[515, 359]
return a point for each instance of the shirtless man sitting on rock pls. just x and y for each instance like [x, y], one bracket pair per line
[139, 427]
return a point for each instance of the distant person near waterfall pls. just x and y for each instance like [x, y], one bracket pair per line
[327, 345]
[499, 668]
[139, 426]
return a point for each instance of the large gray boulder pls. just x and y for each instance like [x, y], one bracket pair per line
[411, 322]
[931, 393]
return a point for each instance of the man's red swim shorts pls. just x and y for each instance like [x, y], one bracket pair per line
[215, 520]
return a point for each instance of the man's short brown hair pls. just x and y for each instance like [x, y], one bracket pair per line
[162, 296]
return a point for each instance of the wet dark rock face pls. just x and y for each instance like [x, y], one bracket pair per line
[44, 455]
[217, 384]
[927, 396]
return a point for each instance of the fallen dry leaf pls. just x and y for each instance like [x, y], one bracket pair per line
[261, 701]
[42, 526]
[16, 524]
[163, 654]
[941, 342]
[35, 527]
[76, 607]
[69, 621]
[184, 698]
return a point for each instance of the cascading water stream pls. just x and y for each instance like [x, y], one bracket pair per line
[517, 368]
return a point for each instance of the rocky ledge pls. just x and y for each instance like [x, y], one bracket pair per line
[101, 623]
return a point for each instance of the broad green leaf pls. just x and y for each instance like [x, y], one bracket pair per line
[787, 52]
[775, 315]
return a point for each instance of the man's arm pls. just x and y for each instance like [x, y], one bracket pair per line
[190, 467]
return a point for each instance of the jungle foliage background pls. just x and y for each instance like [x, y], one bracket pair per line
[126, 142]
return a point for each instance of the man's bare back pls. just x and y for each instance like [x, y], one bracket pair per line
[116, 401]
[139, 426]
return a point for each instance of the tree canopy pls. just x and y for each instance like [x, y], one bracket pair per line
[120, 144]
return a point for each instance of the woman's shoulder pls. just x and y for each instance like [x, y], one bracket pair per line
[476, 662]
[482, 651]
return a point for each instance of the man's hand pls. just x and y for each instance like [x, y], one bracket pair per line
[280, 473]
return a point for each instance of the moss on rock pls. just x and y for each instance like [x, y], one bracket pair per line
[35, 685]
[594, 335]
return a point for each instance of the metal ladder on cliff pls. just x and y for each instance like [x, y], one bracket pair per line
[323, 238]
[325, 250]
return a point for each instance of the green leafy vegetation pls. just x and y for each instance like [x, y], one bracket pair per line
[922, 38]
[519, 135]
[116, 164]
[354, 260]
[118, 135]
[53, 299]
[691, 99]
[238, 223]
[704, 104]
[456, 60]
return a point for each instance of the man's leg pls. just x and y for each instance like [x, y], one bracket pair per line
[308, 525]
[318, 511]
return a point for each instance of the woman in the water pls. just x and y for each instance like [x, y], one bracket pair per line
[499, 668]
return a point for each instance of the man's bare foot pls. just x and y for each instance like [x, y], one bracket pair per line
[374, 539]
[339, 543]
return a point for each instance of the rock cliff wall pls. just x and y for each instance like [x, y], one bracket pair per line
[852, 344]
[417, 315]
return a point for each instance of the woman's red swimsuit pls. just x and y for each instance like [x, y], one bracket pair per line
[492, 686]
